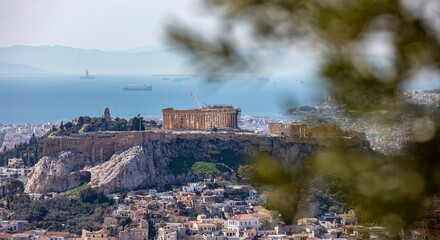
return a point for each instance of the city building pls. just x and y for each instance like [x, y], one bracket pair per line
[15, 162]
[139, 233]
[243, 221]
[14, 225]
[96, 235]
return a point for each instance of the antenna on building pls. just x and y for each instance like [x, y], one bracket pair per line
[195, 96]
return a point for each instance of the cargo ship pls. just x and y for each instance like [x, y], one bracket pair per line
[87, 76]
[137, 88]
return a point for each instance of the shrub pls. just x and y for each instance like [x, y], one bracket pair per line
[204, 168]
[88, 195]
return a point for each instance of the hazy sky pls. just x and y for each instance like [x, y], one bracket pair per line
[96, 24]
[115, 24]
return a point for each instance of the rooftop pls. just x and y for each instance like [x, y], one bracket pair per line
[242, 217]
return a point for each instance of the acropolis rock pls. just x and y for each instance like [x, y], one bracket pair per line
[145, 158]
[58, 172]
[128, 170]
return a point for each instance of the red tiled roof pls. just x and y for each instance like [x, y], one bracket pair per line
[98, 232]
[250, 230]
[217, 220]
[21, 234]
[58, 233]
[138, 212]
[243, 217]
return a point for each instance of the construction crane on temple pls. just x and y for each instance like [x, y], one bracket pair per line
[195, 96]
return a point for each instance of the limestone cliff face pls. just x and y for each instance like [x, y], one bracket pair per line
[128, 170]
[153, 163]
[58, 172]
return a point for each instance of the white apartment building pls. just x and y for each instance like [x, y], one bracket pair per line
[243, 221]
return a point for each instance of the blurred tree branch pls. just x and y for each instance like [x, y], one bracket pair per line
[389, 190]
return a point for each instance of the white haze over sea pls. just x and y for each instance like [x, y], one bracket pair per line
[49, 98]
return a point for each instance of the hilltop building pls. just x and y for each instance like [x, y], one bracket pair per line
[220, 117]
[107, 114]
[292, 129]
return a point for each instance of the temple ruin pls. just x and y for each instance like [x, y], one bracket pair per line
[287, 129]
[220, 117]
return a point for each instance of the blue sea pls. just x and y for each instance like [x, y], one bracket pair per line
[38, 99]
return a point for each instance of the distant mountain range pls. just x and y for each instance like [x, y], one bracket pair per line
[18, 68]
[67, 60]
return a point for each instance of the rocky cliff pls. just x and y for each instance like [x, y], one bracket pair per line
[59, 172]
[153, 163]
[130, 169]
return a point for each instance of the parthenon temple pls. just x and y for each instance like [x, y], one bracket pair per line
[220, 117]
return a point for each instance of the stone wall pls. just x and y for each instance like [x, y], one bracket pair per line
[97, 146]
[277, 128]
[102, 145]
[291, 129]
[324, 131]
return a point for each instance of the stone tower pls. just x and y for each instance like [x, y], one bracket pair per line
[107, 114]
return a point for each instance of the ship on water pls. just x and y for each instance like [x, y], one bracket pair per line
[263, 78]
[137, 88]
[87, 76]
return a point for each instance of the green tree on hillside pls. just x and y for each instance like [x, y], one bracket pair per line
[30, 152]
[125, 221]
[15, 186]
[136, 124]
[204, 168]
[88, 195]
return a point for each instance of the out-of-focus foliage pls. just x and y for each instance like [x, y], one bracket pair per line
[341, 29]
[387, 190]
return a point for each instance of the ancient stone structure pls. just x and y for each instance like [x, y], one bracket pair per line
[102, 145]
[324, 131]
[220, 117]
[291, 129]
[329, 131]
[149, 163]
[96, 145]
[107, 114]
[141, 159]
